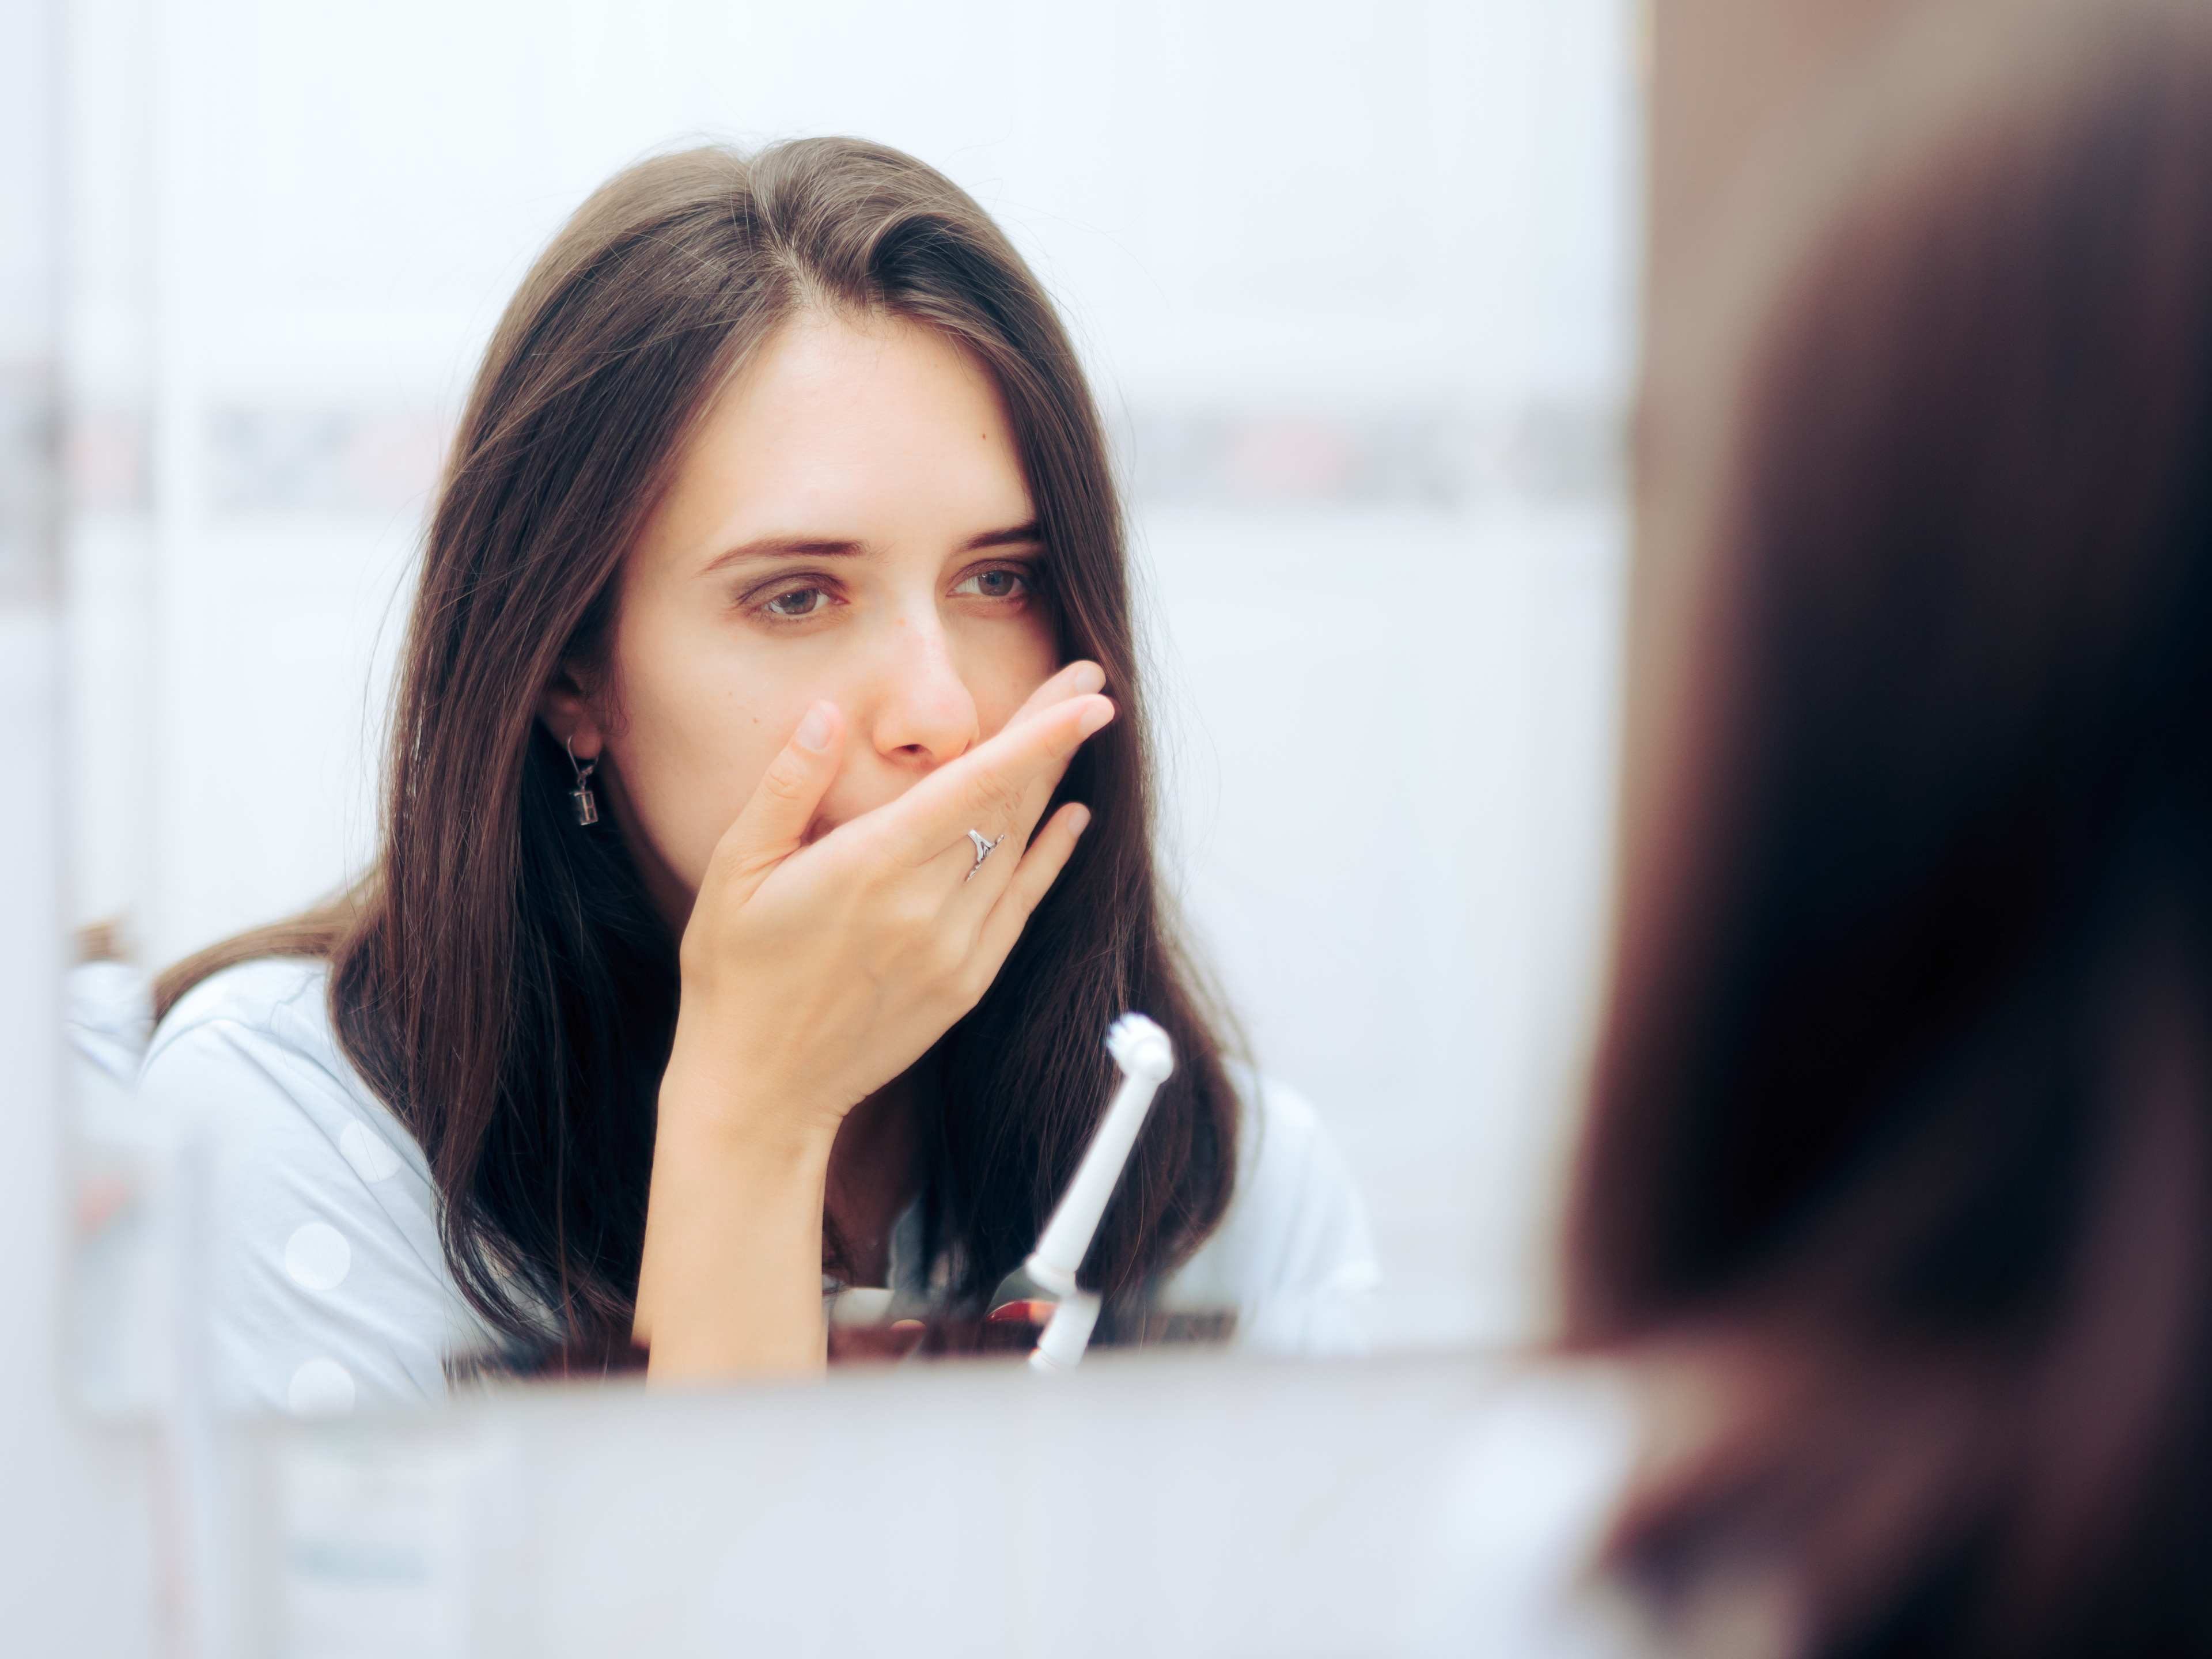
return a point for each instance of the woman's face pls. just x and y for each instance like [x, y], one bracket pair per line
[851, 523]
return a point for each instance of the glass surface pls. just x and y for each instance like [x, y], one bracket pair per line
[1354, 291]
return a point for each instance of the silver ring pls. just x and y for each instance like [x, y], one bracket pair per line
[983, 850]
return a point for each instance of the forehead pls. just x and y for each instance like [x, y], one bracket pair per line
[875, 429]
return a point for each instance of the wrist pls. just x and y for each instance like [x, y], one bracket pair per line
[704, 1114]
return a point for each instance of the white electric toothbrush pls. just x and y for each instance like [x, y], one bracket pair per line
[1146, 1057]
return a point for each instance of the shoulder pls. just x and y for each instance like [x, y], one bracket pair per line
[1294, 1255]
[278, 999]
[326, 1278]
[249, 1053]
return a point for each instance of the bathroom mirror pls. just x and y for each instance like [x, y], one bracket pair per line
[1354, 294]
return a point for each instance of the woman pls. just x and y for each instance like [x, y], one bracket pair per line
[1900, 1173]
[776, 554]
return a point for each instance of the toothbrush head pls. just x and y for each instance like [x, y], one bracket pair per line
[1141, 1049]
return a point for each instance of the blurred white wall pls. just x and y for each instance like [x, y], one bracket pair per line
[1356, 286]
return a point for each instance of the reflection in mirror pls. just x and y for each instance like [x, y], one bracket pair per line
[616, 827]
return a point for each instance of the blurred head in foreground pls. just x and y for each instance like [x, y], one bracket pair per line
[1901, 1138]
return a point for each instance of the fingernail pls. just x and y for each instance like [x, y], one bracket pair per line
[814, 731]
[1091, 678]
[1079, 819]
[1095, 716]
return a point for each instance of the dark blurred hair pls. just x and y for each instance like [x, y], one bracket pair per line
[1903, 1109]
[503, 982]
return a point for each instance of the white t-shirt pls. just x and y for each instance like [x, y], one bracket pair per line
[326, 1287]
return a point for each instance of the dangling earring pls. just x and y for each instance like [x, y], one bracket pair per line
[587, 804]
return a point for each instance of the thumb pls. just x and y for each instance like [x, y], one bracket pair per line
[772, 826]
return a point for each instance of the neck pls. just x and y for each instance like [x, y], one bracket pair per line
[874, 1167]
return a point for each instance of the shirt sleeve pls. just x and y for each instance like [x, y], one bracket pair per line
[314, 1272]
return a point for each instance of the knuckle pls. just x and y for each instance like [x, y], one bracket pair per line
[948, 958]
[735, 864]
[971, 985]
[994, 797]
[785, 781]
[1020, 901]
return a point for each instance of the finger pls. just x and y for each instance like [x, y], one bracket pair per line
[979, 883]
[772, 826]
[1040, 867]
[970, 885]
[978, 891]
[986, 788]
[1077, 679]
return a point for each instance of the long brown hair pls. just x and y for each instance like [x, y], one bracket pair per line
[1902, 1119]
[501, 980]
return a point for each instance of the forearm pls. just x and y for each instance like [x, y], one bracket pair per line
[731, 1280]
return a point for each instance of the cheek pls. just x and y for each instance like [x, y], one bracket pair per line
[699, 725]
[1009, 666]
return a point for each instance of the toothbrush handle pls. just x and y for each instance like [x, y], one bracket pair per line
[1067, 1235]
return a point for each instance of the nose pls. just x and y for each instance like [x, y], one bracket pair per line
[923, 713]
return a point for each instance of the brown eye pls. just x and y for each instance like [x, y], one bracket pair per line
[797, 602]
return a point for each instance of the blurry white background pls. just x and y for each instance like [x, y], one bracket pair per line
[1356, 287]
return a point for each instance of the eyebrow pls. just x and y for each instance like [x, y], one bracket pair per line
[829, 547]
